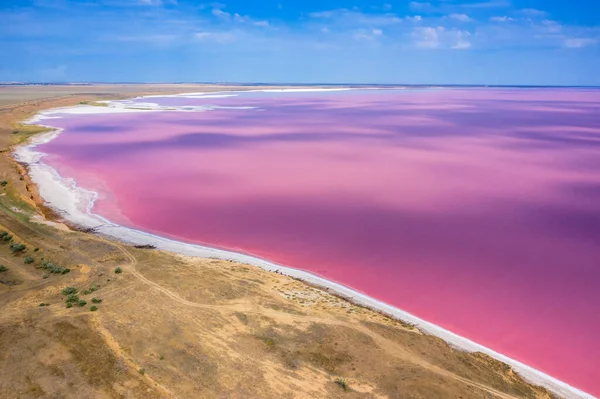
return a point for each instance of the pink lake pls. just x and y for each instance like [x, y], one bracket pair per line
[477, 210]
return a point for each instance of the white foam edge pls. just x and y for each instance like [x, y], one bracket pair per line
[75, 204]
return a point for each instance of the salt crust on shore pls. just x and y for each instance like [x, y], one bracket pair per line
[75, 204]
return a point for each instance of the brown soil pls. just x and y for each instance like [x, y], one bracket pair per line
[172, 326]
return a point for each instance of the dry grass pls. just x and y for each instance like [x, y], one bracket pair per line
[199, 327]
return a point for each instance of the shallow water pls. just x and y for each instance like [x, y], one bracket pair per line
[478, 210]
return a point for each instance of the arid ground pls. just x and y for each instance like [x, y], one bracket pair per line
[168, 326]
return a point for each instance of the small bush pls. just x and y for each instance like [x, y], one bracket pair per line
[69, 290]
[35, 249]
[3, 268]
[118, 270]
[87, 292]
[93, 308]
[342, 383]
[44, 276]
[28, 260]
[161, 357]
[94, 288]
[96, 300]
[69, 305]
[82, 303]
[3, 183]
[72, 298]
[7, 237]
[16, 248]
[142, 371]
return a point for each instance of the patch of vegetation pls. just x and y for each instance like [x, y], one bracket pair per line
[82, 303]
[16, 248]
[96, 300]
[44, 304]
[161, 357]
[5, 236]
[3, 183]
[72, 298]
[118, 270]
[35, 249]
[55, 269]
[3, 268]
[93, 308]
[69, 305]
[28, 260]
[44, 276]
[342, 383]
[142, 371]
[69, 290]
[90, 290]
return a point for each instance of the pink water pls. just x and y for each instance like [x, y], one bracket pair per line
[477, 210]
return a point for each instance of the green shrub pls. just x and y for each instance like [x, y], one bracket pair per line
[342, 383]
[7, 237]
[118, 270]
[96, 300]
[3, 183]
[72, 298]
[69, 305]
[94, 288]
[28, 260]
[142, 371]
[3, 268]
[35, 249]
[93, 308]
[44, 276]
[87, 292]
[16, 248]
[44, 304]
[82, 303]
[69, 290]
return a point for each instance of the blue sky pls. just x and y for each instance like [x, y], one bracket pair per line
[550, 42]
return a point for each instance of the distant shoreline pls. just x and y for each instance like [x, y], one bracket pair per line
[63, 195]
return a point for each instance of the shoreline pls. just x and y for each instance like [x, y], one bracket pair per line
[75, 204]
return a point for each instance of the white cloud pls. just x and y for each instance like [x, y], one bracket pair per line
[501, 19]
[416, 18]
[366, 34]
[217, 12]
[580, 42]
[428, 37]
[532, 12]
[441, 37]
[261, 23]
[357, 18]
[552, 26]
[461, 41]
[459, 17]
